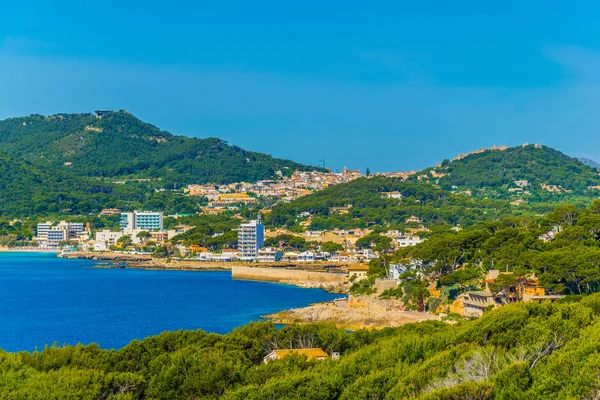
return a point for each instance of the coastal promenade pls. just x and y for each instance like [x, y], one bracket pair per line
[26, 250]
[149, 262]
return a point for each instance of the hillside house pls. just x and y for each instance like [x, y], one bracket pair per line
[358, 272]
[311, 354]
[476, 302]
[409, 240]
[392, 195]
[413, 220]
[396, 270]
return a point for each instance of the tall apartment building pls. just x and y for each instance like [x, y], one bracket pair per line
[141, 220]
[251, 237]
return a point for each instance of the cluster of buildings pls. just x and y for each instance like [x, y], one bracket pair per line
[301, 183]
[131, 224]
[250, 245]
[475, 303]
[51, 235]
[348, 237]
[66, 235]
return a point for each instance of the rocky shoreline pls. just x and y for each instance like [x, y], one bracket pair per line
[360, 312]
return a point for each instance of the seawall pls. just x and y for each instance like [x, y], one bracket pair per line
[335, 282]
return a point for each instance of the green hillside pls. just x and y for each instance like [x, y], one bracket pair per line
[521, 351]
[117, 144]
[370, 208]
[501, 168]
[27, 190]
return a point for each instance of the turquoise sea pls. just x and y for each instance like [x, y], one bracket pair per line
[44, 299]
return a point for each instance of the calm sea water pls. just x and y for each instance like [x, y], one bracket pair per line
[44, 299]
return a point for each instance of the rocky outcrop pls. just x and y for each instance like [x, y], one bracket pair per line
[457, 306]
[116, 257]
[358, 312]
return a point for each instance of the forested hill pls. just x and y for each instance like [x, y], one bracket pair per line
[29, 191]
[117, 144]
[497, 168]
[363, 203]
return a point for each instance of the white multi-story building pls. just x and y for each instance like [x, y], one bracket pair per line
[141, 220]
[70, 230]
[269, 254]
[396, 270]
[108, 237]
[55, 236]
[42, 230]
[251, 237]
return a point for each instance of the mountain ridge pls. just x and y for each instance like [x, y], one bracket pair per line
[115, 144]
[502, 167]
[589, 162]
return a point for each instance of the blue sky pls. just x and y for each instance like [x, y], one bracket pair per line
[385, 85]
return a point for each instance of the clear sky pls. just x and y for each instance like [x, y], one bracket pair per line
[388, 85]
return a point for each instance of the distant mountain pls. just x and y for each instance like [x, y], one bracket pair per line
[471, 189]
[496, 168]
[117, 144]
[588, 162]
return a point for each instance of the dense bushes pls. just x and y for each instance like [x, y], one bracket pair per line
[520, 351]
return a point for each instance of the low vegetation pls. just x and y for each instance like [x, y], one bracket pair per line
[521, 351]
